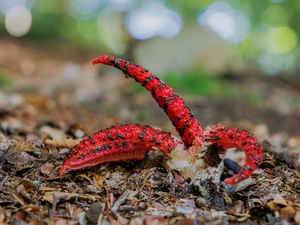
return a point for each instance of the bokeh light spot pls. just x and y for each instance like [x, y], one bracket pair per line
[227, 22]
[18, 20]
[281, 40]
[220, 22]
[273, 64]
[121, 5]
[5, 5]
[153, 19]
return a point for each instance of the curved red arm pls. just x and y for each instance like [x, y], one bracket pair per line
[181, 116]
[237, 138]
[117, 143]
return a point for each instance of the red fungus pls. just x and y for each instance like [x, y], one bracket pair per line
[131, 141]
[118, 143]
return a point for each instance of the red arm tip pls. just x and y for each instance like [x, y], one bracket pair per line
[104, 59]
[96, 61]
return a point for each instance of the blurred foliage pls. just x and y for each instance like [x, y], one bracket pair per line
[273, 40]
[201, 83]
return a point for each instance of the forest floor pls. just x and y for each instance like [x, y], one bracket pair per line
[49, 101]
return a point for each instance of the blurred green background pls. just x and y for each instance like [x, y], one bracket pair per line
[263, 33]
[230, 59]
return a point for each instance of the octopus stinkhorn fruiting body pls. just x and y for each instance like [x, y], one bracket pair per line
[132, 141]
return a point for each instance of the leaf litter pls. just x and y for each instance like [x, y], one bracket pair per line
[36, 133]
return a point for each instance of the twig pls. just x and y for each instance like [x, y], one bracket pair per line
[56, 199]
[120, 200]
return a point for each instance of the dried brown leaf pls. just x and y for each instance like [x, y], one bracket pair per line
[98, 180]
[62, 142]
[288, 212]
[20, 160]
[47, 168]
[47, 189]
[279, 200]
[3, 220]
[26, 146]
[28, 184]
[297, 217]
[52, 132]
[33, 208]
[49, 196]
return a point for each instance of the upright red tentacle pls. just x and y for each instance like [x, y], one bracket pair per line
[181, 116]
[117, 143]
[237, 138]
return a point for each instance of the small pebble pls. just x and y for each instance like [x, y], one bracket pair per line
[200, 202]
